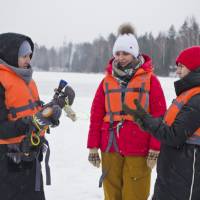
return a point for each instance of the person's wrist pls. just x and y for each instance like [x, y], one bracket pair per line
[93, 150]
[153, 154]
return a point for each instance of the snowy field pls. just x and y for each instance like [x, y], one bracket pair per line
[73, 178]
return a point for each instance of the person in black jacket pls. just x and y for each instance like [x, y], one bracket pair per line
[21, 116]
[178, 166]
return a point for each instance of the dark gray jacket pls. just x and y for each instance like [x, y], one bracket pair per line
[178, 167]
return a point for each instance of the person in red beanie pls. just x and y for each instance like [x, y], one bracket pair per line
[190, 57]
[178, 167]
[127, 153]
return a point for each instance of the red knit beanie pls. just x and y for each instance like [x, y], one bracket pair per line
[190, 57]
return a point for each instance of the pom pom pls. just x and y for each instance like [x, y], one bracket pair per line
[126, 28]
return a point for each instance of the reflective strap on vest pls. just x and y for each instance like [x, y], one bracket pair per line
[31, 105]
[140, 93]
[179, 105]
[140, 90]
[116, 113]
[112, 139]
[146, 105]
[194, 139]
[102, 177]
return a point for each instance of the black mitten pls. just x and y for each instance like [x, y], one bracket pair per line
[139, 115]
[48, 116]
[143, 118]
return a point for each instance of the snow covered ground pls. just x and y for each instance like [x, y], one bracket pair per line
[73, 178]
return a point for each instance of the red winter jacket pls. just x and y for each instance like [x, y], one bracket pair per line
[132, 141]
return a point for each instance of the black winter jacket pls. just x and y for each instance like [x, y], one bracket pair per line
[178, 167]
[9, 47]
[17, 181]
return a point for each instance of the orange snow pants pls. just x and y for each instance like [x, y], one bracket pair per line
[127, 178]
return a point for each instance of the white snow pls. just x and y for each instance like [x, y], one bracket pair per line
[73, 178]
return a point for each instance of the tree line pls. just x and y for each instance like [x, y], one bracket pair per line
[93, 56]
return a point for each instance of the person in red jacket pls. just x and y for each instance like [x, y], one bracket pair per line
[127, 152]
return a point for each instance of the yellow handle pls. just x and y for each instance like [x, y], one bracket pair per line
[35, 140]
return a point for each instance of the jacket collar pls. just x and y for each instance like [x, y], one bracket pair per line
[188, 82]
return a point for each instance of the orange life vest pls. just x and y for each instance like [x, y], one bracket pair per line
[137, 88]
[177, 105]
[20, 99]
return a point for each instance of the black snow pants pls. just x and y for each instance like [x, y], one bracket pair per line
[17, 181]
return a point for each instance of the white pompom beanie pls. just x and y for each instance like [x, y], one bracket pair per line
[127, 43]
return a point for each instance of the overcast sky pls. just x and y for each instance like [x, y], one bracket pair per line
[51, 22]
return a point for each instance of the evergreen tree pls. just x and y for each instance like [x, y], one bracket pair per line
[93, 57]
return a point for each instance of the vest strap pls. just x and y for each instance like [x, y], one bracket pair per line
[38, 175]
[116, 113]
[102, 177]
[146, 105]
[178, 105]
[194, 139]
[112, 139]
[140, 93]
[13, 111]
[140, 90]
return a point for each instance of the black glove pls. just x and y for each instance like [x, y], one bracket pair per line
[140, 116]
[48, 116]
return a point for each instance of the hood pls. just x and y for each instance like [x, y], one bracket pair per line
[147, 66]
[9, 47]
